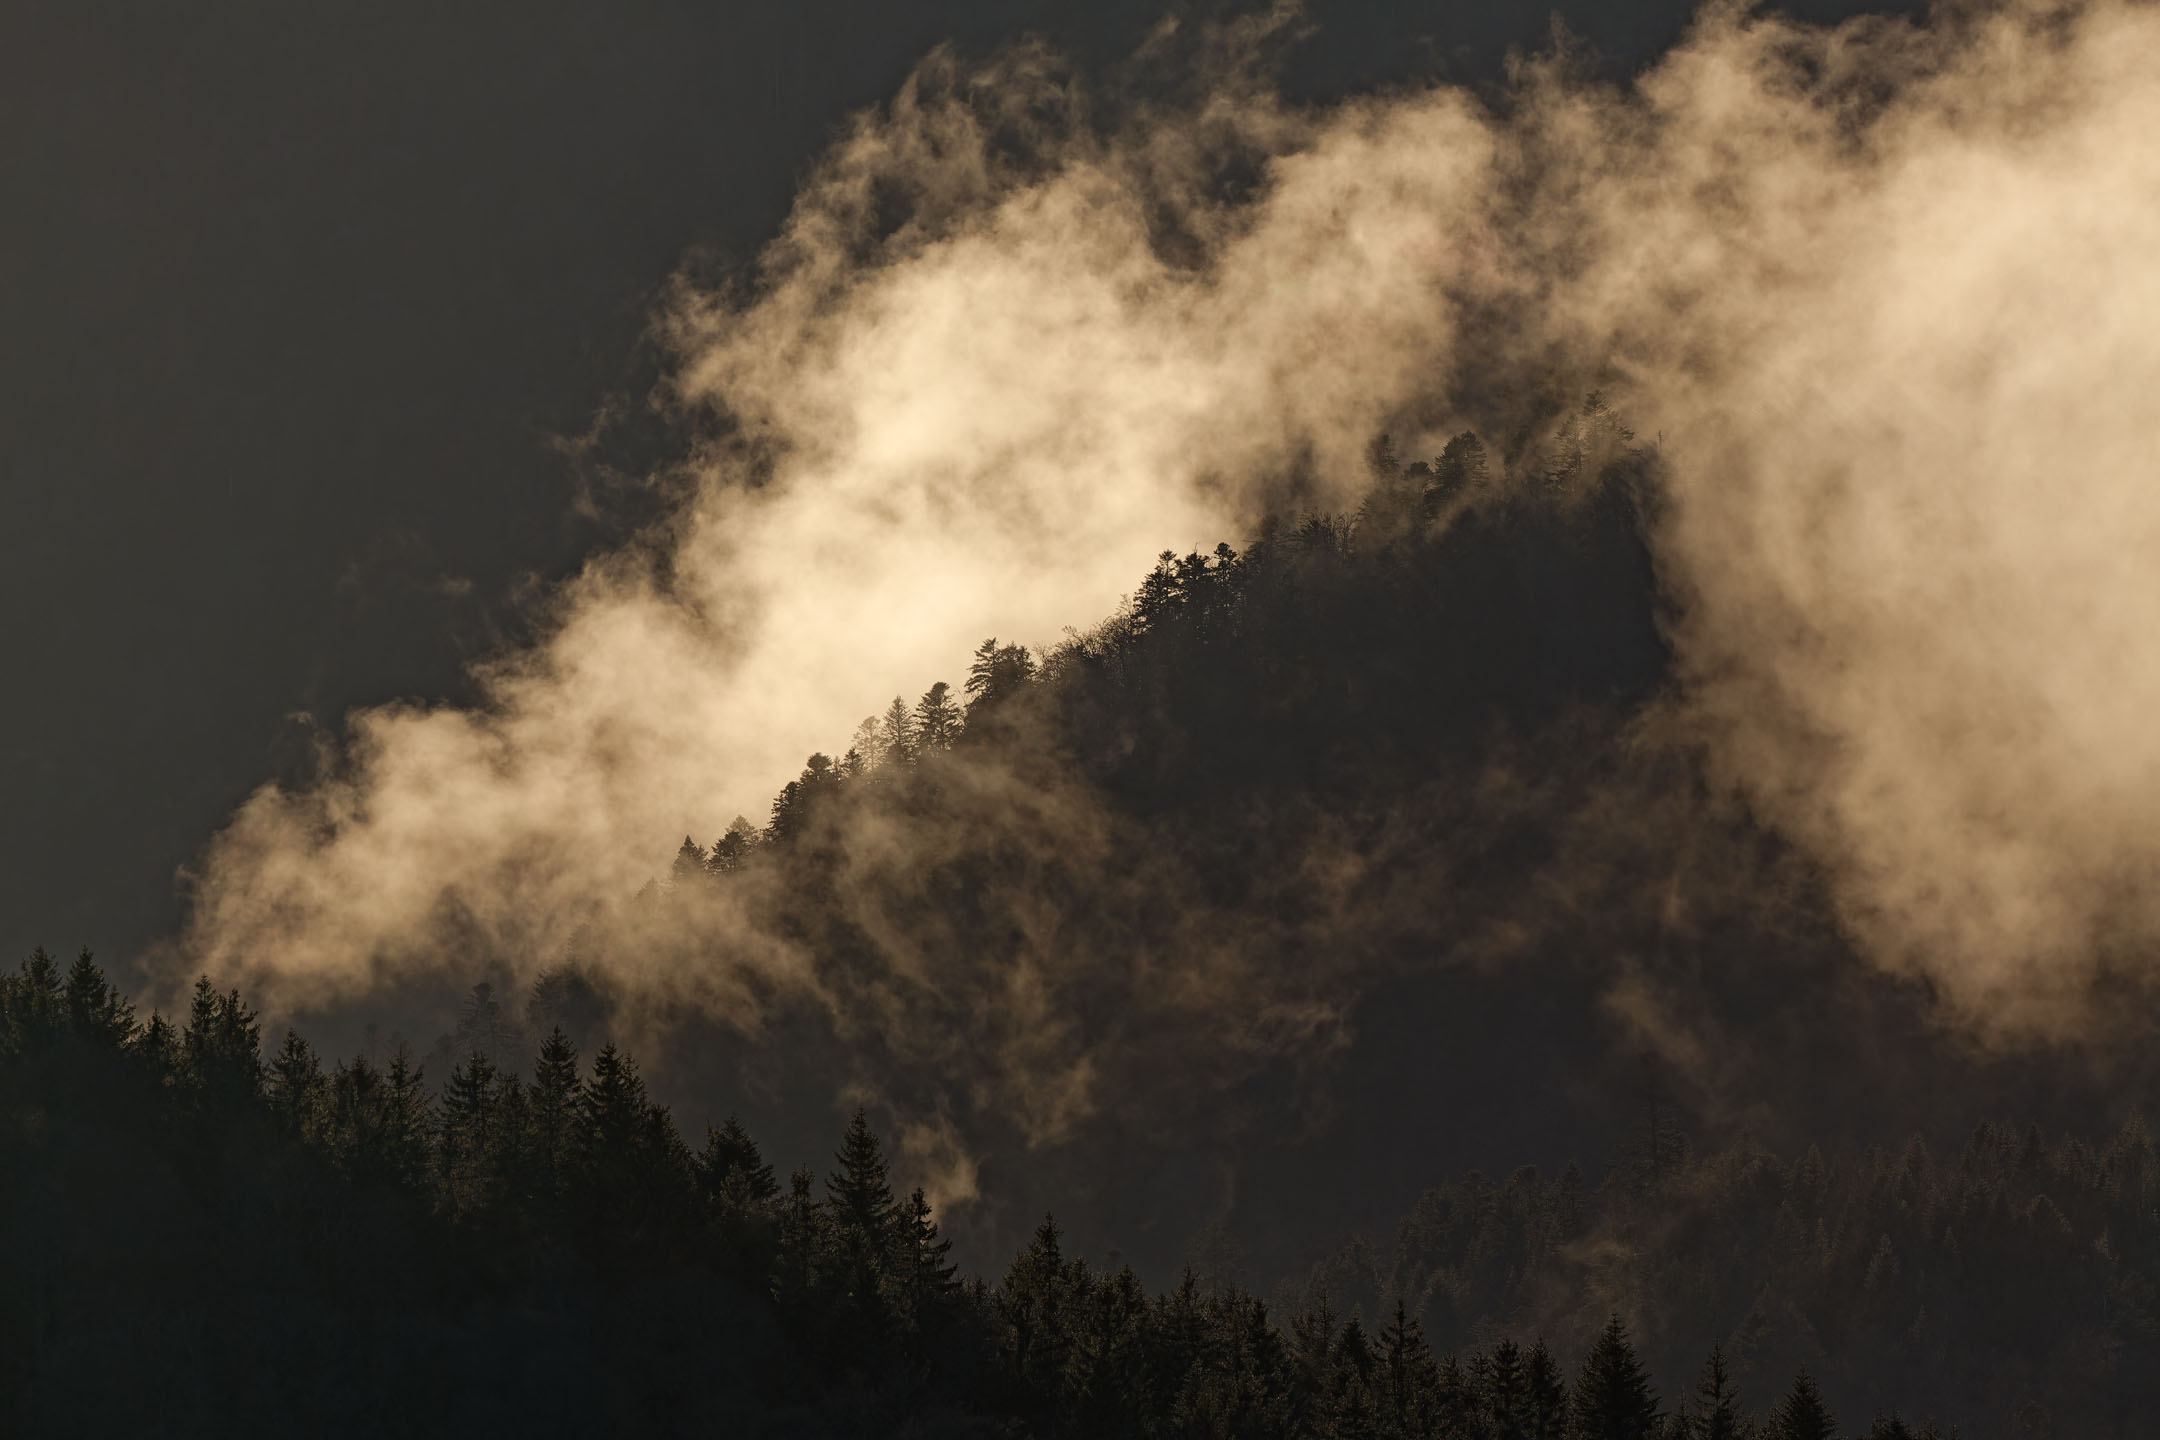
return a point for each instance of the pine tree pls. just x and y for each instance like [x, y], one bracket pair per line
[896, 734]
[221, 1048]
[34, 1004]
[1409, 1381]
[797, 799]
[798, 1270]
[1506, 1386]
[484, 1028]
[1455, 1410]
[95, 1010]
[1546, 1395]
[732, 1176]
[937, 719]
[866, 749]
[1613, 1399]
[741, 1195]
[298, 1090]
[552, 1118]
[925, 1285]
[156, 1048]
[1031, 1303]
[862, 1223]
[1715, 1412]
[690, 865]
[379, 1121]
[1801, 1415]
[732, 850]
[470, 1152]
[997, 672]
[409, 1118]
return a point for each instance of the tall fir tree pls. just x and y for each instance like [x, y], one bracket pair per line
[1545, 1394]
[1714, 1411]
[298, 1089]
[937, 719]
[1613, 1399]
[1410, 1383]
[96, 1012]
[1801, 1415]
[552, 1119]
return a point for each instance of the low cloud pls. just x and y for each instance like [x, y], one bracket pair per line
[1885, 295]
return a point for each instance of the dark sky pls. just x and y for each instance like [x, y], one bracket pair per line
[294, 297]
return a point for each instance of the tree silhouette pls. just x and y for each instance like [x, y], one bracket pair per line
[1613, 1399]
[1801, 1415]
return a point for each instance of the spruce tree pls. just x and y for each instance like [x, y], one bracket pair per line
[732, 850]
[924, 1281]
[690, 865]
[298, 1090]
[552, 1118]
[741, 1197]
[937, 719]
[1613, 1399]
[1801, 1415]
[798, 1268]
[221, 1048]
[95, 1010]
[732, 1176]
[1715, 1412]
[1545, 1395]
[35, 1002]
[1031, 1306]
[469, 1149]
[896, 734]
[1411, 1384]
[1506, 1386]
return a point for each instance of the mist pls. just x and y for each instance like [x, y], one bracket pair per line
[1879, 299]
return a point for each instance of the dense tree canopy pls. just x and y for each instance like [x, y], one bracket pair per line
[206, 1234]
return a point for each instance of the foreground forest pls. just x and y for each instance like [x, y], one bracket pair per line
[206, 1241]
[1358, 747]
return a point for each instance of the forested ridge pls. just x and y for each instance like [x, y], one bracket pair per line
[1442, 698]
[209, 1240]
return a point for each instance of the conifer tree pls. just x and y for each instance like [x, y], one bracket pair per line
[1715, 1412]
[96, 1011]
[1031, 1311]
[378, 1121]
[408, 1112]
[1506, 1386]
[896, 734]
[220, 1049]
[1455, 1408]
[937, 719]
[478, 1127]
[298, 1090]
[1545, 1395]
[553, 1117]
[741, 1196]
[732, 1176]
[798, 1268]
[925, 1282]
[1801, 1415]
[996, 673]
[156, 1048]
[690, 865]
[1411, 1384]
[1613, 1399]
[732, 850]
[33, 1008]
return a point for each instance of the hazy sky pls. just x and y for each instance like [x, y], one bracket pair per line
[294, 301]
